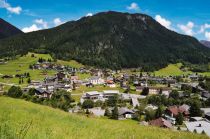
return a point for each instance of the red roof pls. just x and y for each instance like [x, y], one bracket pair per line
[160, 122]
[176, 110]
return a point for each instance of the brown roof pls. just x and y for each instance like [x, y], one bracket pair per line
[176, 110]
[160, 122]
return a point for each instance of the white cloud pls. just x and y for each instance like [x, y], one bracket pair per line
[57, 21]
[41, 22]
[163, 21]
[8, 7]
[33, 27]
[203, 28]
[89, 14]
[207, 35]
[133, 6]
[187, 29]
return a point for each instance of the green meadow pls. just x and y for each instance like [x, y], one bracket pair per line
[19, 118]
[20, 65]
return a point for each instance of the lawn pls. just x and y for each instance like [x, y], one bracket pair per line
[47, 123]
[171, 70]
[71, 63]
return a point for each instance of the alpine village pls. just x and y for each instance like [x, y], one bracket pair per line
[108, 75]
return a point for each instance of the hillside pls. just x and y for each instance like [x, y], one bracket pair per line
[45, 122]
[8, 30]
[111, 40]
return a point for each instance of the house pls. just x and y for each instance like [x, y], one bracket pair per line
[160, 122]
[173, 111]
[199, 127]
[96, 80]
[110, 93]
[60, 76]
[41, 93]
[205, 95]
[110, 84]
[207, 116]
[74, 78]
[125, 113]
[139, 88]
[50, 79]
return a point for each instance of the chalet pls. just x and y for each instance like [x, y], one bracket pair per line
[173, 111]
[110, 84]
[96, 80]
[41, 93]
[125, 113]
[60, 76]
[205, 95]
[74, 79]
[50, 79]
[155, 90]
[160, 122]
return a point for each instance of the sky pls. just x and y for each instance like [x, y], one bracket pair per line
[190, 17]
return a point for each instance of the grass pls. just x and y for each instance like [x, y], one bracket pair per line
[71, 63]
[171, 70]
[48, 123]
[20, 66]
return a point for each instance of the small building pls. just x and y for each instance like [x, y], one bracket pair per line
[125, 113]
[160, 122]
[41, 93]
[96, 80]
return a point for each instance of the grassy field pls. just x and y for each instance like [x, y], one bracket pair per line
[48, 123]
[20, 66]
[171, 70]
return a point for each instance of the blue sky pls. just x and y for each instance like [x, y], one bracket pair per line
[191, 17]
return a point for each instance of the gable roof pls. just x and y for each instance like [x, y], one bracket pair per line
[161, 123]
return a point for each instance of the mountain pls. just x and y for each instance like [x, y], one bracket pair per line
[206, 43]
[8, 30]
[111, 40]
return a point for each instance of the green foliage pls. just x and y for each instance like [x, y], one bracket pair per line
[107, 113]
[159, 112]
[87, 104]
[149, 115]
[145, 91]
[112, 101]
[195, 109]
[15, 92]
[179, 119]
[115, 113]
[61, 99]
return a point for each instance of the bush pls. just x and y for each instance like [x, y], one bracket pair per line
[15, 92]
[87, 104]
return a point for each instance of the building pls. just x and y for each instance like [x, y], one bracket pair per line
[160, 122]
[125, 113]
[41, 93]
[173, 111]
[96, 80]
[199, 127]
[95, 95]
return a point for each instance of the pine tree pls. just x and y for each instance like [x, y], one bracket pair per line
[179, 119]
[107, 112]
[115, 113]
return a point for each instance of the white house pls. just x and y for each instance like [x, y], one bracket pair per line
[96, 80]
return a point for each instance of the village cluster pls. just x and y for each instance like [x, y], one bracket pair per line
[168, 102]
